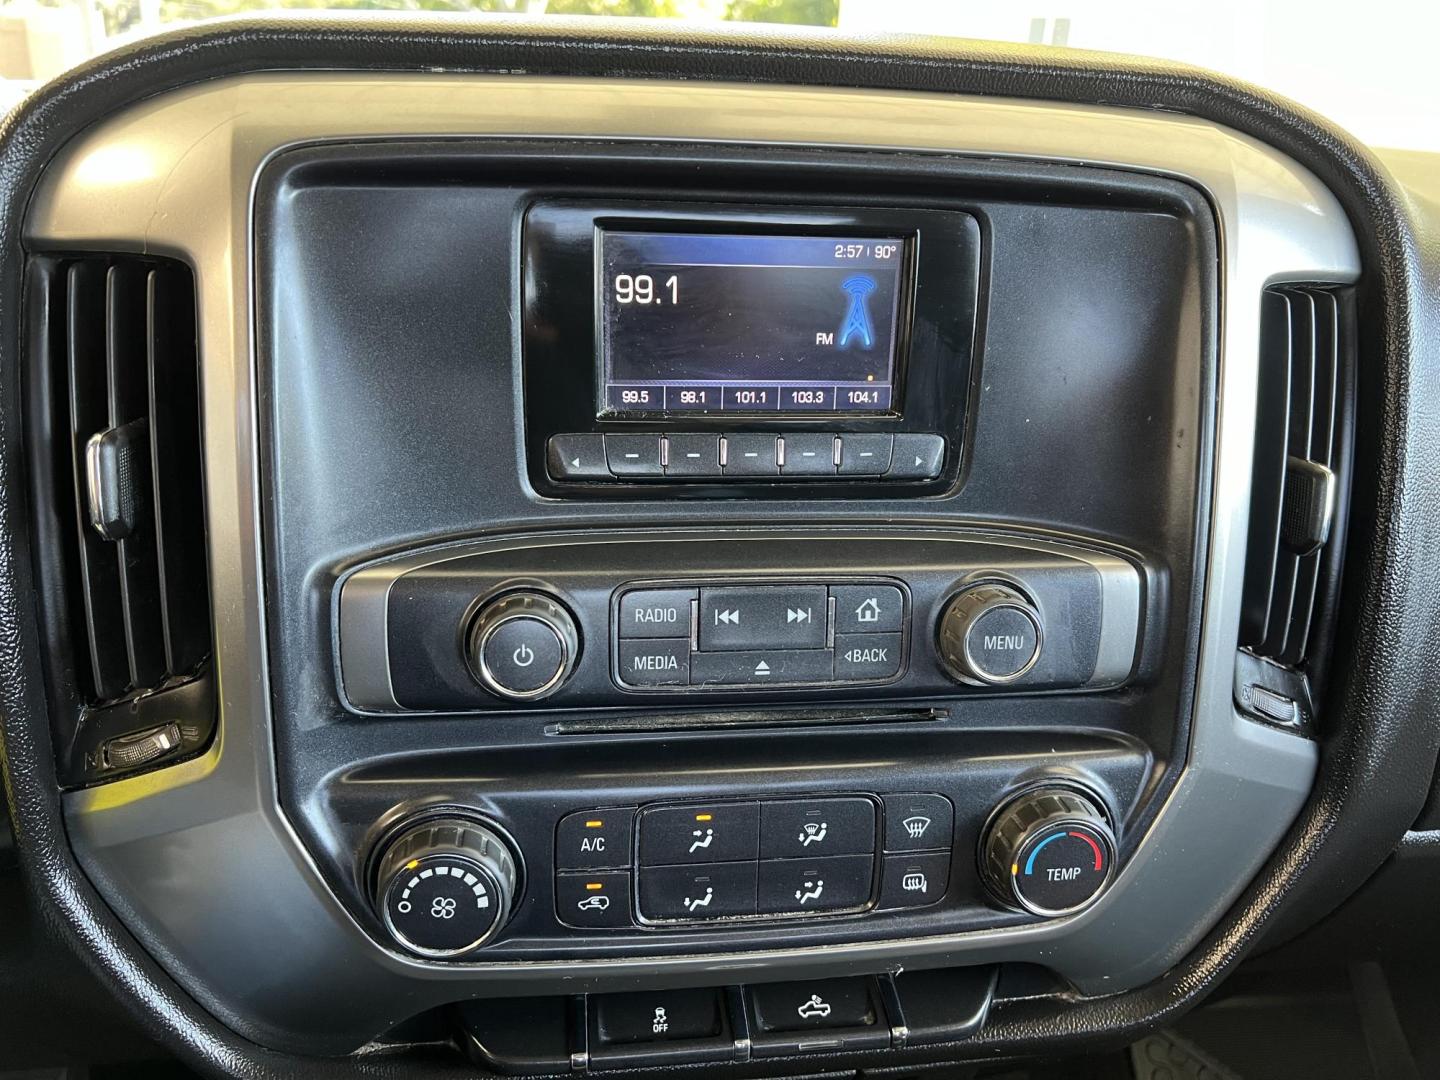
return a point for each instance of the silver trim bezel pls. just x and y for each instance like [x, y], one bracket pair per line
[176, 174]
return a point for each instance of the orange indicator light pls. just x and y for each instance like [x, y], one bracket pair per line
[704, 817]
[594, 824]
[593, 886]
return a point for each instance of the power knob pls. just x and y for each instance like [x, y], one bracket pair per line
[989, 635]
[1050, 852]
[523, 646]
[445, 886]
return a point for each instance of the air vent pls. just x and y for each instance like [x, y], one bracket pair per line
[115, 438]
[1301, 474]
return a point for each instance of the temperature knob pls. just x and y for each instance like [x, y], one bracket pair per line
[1049, 852]
[523, 646]
[445, 886]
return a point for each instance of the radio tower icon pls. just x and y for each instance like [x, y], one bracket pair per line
[857, 318]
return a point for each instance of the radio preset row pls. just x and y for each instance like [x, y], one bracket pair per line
[807, 455]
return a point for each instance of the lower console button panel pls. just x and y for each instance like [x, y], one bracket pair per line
[671, 1027]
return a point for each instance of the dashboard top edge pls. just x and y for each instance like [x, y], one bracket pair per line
[125, 164]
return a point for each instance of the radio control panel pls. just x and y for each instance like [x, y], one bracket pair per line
[580, 620]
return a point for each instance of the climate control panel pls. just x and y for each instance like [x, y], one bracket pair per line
[792, 858]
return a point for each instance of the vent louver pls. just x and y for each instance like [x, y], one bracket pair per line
[115, 418]
[1302, 455]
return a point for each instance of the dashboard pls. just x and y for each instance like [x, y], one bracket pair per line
[628, 572]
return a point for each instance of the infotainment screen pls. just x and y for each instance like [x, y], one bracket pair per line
[732, 323]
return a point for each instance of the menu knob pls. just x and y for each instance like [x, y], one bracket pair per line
[989, 635]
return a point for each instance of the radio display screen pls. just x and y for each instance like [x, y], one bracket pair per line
[732, 323]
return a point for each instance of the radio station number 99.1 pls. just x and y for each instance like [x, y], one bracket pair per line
[640, 289]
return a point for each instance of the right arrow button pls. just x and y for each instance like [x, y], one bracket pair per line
[916, 457]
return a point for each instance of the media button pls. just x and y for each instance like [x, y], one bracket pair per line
[763, 617]
[807, 454]
[750, 455]
[752, 397]
[656, 613]
[633, 455]
[664, 662]
[859, 657]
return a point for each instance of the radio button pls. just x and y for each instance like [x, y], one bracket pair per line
[807, 454]
[633, 455]
[655, 663]
[865, 455]
[916, 457]
[800, 886]
[699, 833]
[763, 617]
[692, 455]
[808, 829]
[862, 657]
[868, 609]
[577, 457]
[656, 613]
[750, 455]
